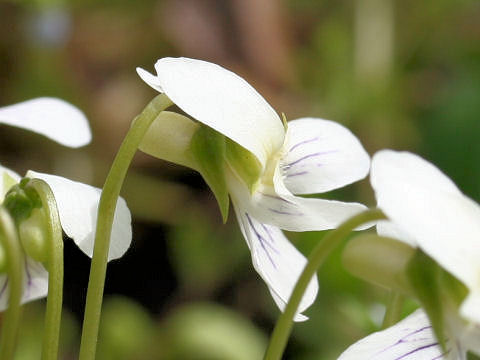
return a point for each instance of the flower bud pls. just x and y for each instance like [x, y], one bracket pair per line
[33, 235]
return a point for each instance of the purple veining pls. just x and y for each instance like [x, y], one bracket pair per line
[403, 339]
[284, 212]
[309, 156]
[276, 198]
[441, 355]
[417, 349]
[29, 276]
[262, 240]
[303, 143]
[4, 287]
[297, 174]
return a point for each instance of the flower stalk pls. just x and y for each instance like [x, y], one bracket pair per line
[11, 244]
[322, 250]
[54, 263]
[106, 211]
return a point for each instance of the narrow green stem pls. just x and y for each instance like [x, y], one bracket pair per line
[15, 268]
[106, 211]
[282, 330]
[54, 263]
[393, 312]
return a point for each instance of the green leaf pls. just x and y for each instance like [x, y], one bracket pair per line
[424, 276]
[244, 163]
[208, 150]
[380, 260]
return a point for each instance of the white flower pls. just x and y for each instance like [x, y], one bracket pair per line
[312, 156]
[77, 203]
[51, 117]
[426, 210]
[410, 339]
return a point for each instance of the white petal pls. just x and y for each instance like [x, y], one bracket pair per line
[277, 261]
[321, 155]
[291, 212]
[7, 179]
[77, 207]
[389, 229]
[222, 100]
[51, 117]
[427, 206]
[150, 79]
[35, 283]
[410, 339]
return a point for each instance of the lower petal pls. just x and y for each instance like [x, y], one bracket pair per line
[411, 338]
[277, 261]
[35, 284]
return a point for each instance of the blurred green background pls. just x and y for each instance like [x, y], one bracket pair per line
[400, 74]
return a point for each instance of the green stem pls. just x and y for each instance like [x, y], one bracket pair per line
[282, 330]
[15, 268]
[54, 263]
[106, 211]
[394, 309]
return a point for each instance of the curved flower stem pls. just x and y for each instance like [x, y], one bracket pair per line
[394, 309]
[282, 330]
[54, 263]
[106, 211]
[14, 255]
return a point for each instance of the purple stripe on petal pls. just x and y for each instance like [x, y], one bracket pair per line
[297, 174]
[285, 212]
[310, 156]
[263, 241]
[404, 339]
[4, 287]
[276, 198]
[441, 355]
[303, 143]
[417, 349]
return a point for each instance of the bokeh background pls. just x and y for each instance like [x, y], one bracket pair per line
[400, 74]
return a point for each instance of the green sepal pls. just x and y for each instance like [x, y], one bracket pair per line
[379, 260]
[20, 200]
[453, 288]
[424, 274]
[208, 150]
[243, 163]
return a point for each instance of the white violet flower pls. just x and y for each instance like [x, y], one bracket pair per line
[77, 203]
[267, 162]
[425, 209]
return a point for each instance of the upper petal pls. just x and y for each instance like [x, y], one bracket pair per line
[427, 206]
[321, 155]
[222, 100]
[277, 261]
[35, 283]
[77, 205]
[51, 117]
[411, 338]
[8, 178]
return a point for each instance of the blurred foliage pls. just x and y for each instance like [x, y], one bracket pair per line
[403, 75]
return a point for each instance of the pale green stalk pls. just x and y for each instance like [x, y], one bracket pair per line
[54, 264]
[106, 211]
[282, 329]
[15, 267]
[393, 313]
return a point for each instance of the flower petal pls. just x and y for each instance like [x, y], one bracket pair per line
[277, 261]
[77, 207]
[8, 178]
[321, 155]
[411, 338]
[51, 117]
[221, 100]
[430, 209]
[290, 212]
[35, 283]
[389, 229]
